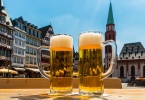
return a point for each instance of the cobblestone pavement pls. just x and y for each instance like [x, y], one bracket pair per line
[124, 86]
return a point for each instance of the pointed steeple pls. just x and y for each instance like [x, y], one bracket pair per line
[1, 3]
[110, 15]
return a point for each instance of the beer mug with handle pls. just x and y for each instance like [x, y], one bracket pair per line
[61, 64]
[91, 71]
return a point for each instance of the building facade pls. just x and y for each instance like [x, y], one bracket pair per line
[33, 41]
[19, 43]
[47, 32]
[131, 61]
[6, 38]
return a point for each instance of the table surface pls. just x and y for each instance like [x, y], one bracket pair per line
[41, 94]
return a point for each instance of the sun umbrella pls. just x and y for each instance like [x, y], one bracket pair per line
[8, 71]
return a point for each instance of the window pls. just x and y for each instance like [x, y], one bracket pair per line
[15, 50]
[34, 51]
[22, 52]
[27, 58]
[16, 41]
[2, 52]
[21, 60]
[31, 32]
[23, 44]
[38, 44]
[34, 60]
[30, 50]
[27, 40]
[18, 60]
[4, 40]
[35, 42]
[20, 42]
[27, 49]
[30, 41]
[141, 53]
[2, 18]
[39, 36]
[31, 60]
[23, 36]
[35, 33]
[27, 30]
[19, 51]
[8, 53]
[14, 59]
[20, 35]
[21, 27]
[16, 33]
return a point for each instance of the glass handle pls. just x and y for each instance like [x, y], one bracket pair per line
[39, 61]
[113, 59]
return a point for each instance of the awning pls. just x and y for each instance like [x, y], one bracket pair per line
[19, 69]
[36, 70]
[8, 71]
[31, 65]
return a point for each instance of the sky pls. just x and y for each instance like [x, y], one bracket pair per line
[75, 16]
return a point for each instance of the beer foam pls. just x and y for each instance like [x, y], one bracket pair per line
[61, 41]
[90, 38]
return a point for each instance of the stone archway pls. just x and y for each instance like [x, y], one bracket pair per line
[144, 71]
[132, 71]
[121, 72]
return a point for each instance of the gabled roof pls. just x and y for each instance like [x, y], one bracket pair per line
[20, 19]
[110, 19]
[45, 30]
[132, 48]
[3, 11]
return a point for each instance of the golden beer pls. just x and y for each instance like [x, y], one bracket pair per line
[61, 64]
[91, 69]
[91, 74]
[61, 69]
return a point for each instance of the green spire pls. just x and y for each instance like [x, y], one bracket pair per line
[110, 15]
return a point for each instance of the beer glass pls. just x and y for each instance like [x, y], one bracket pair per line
[61, 64]
[91, 49]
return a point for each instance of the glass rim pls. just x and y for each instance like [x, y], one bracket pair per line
[91, 31]
[61, 34]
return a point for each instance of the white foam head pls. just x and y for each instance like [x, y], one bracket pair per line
[90, 38]
[58, 41]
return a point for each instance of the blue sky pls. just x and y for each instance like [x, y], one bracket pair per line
[75, 16]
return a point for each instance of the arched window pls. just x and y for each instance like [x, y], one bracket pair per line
[121, 72]
[132, 71]
[144, 71]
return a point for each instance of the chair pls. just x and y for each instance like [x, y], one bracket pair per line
[112, 83]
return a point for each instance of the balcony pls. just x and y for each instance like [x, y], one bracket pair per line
[9, 47]
[45, 56]
[3, 45]
[5, 58]
[6, 35]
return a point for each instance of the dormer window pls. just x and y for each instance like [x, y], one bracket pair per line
[126, 48]
[141, 53]
[2, 18]
[137, 48]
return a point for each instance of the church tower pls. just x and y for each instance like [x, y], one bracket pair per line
[110, 34]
